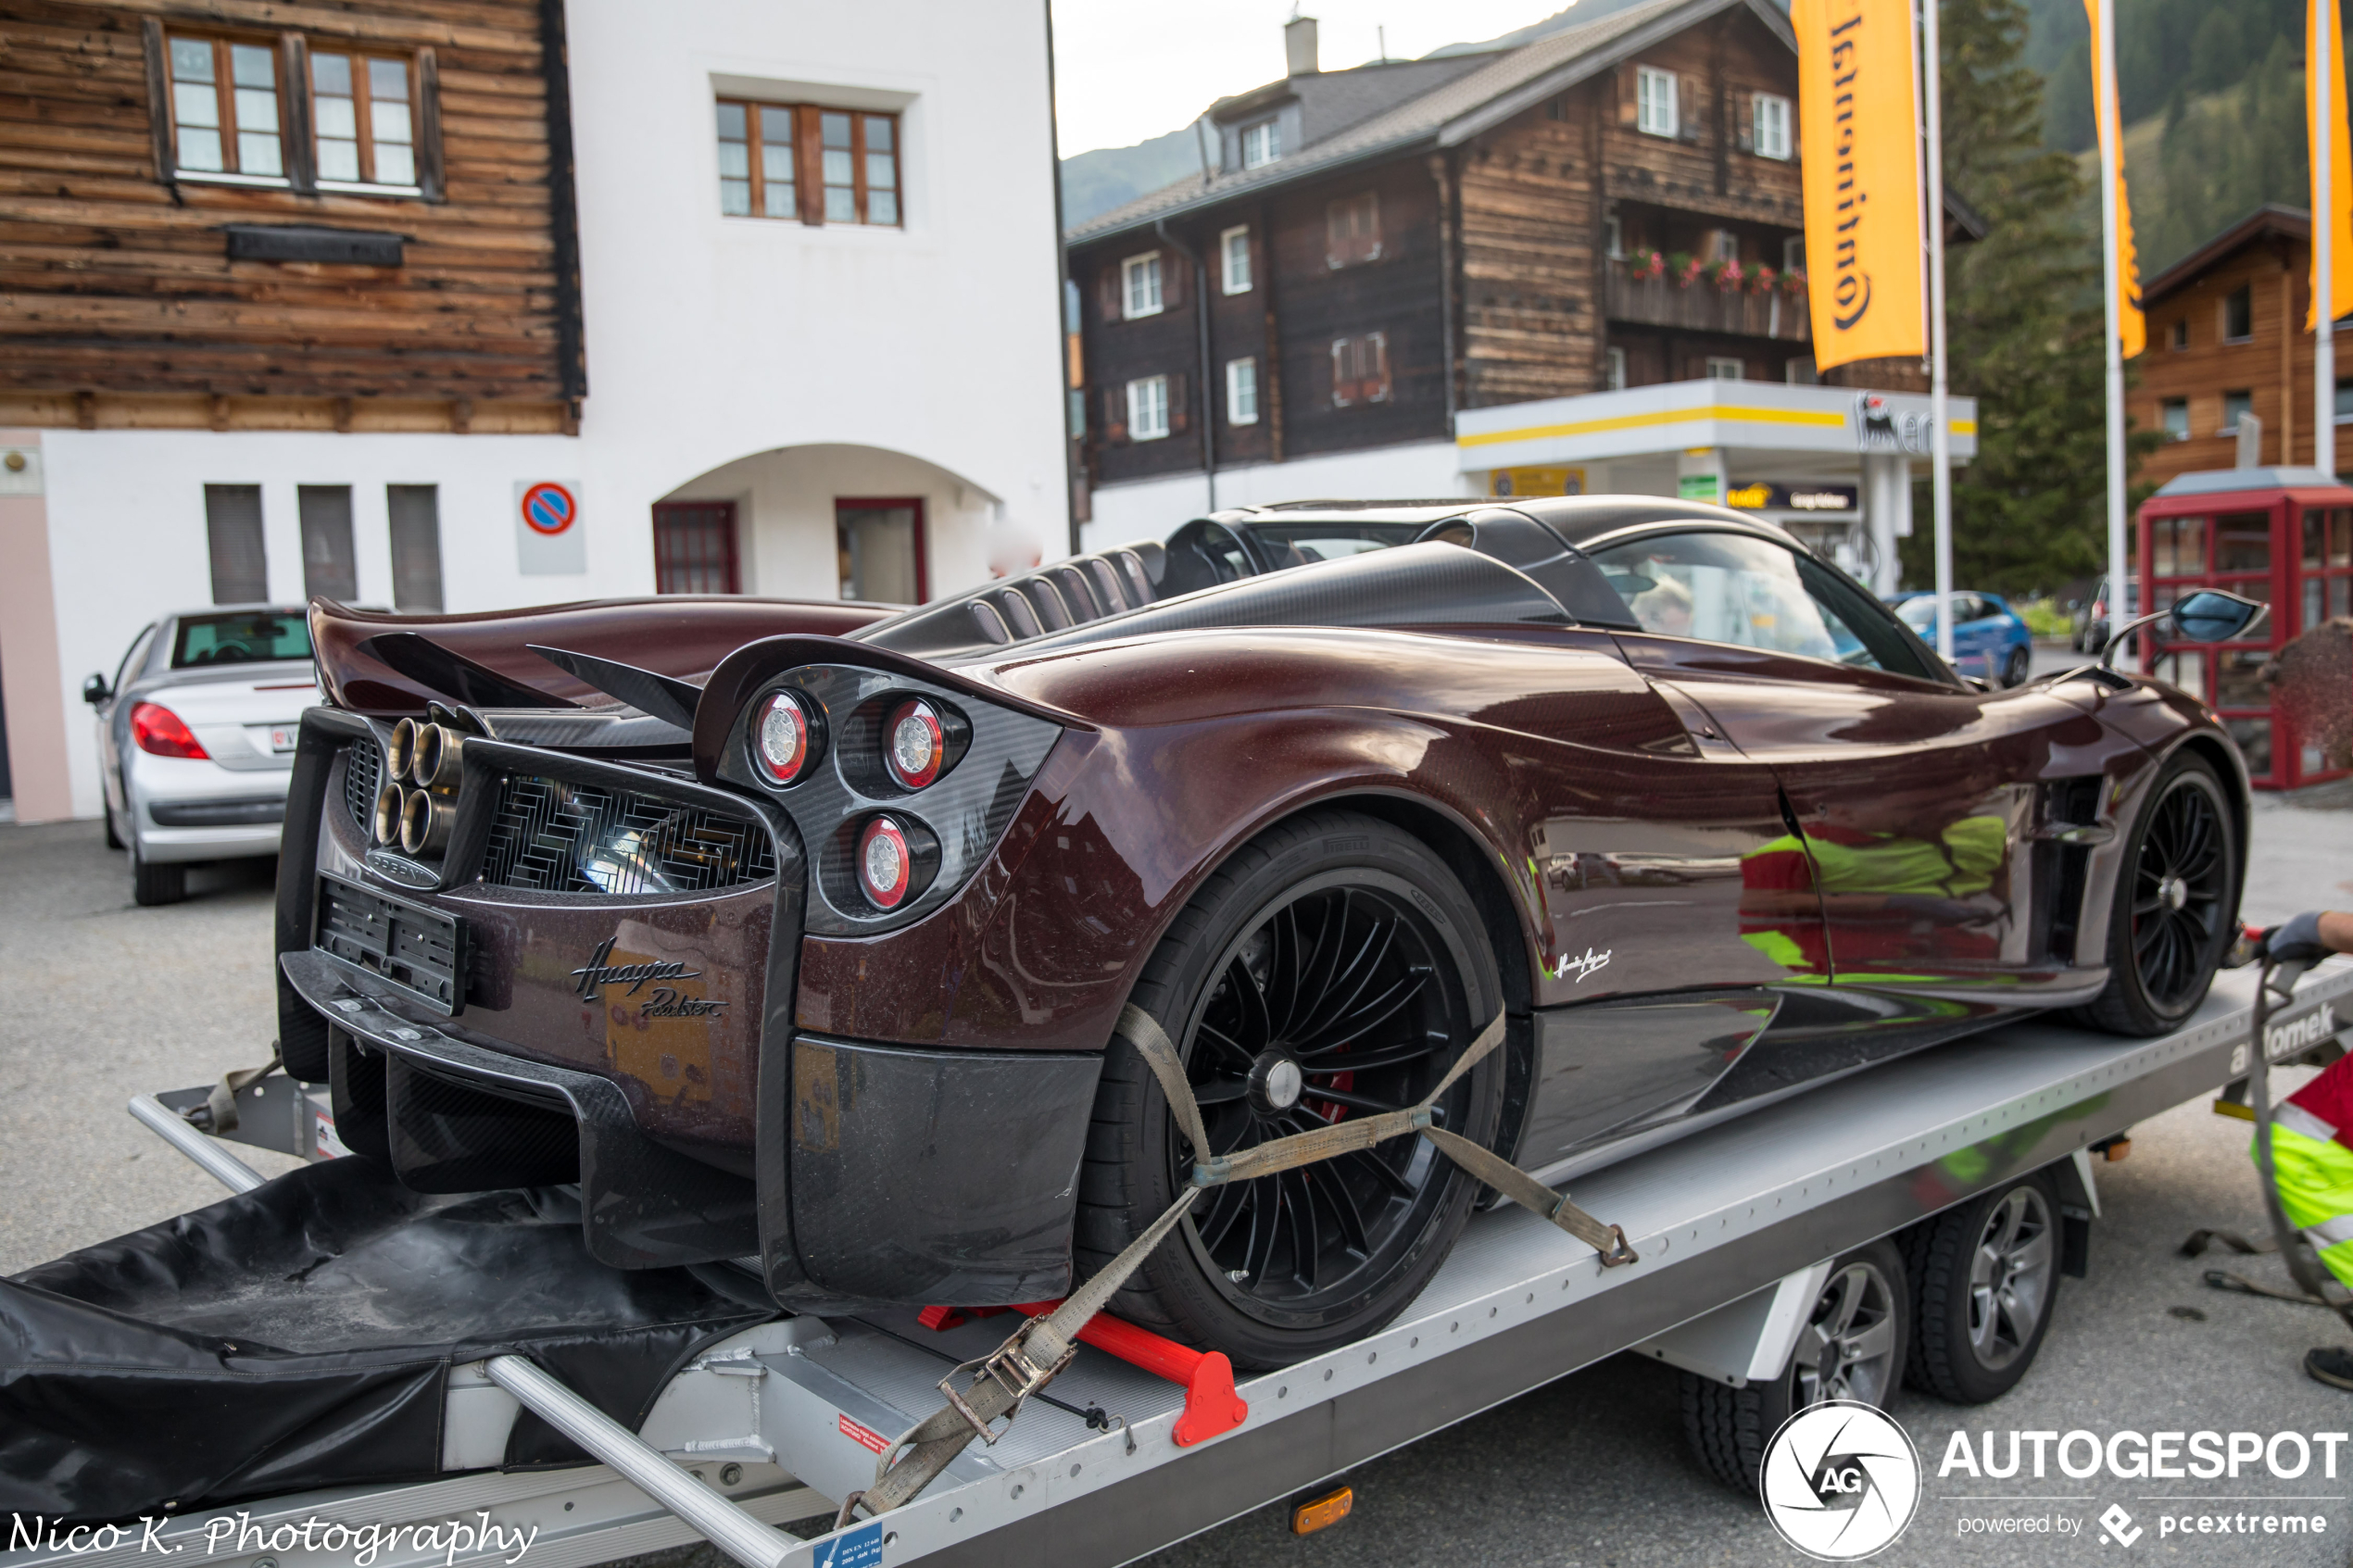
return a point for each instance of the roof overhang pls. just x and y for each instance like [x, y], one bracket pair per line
[1606, 58]
[1764, 418]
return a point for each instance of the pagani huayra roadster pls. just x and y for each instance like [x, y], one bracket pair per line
[796, 933]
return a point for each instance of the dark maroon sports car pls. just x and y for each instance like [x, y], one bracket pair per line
[795, 934]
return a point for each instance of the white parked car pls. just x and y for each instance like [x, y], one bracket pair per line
[197, 739]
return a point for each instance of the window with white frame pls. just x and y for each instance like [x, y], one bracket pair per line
[1617, 370]
[1262, 144]
[1768, 117]
[1654, 110]
[1141, 275]
[1723, 245]
[1233, 247]
[1242, 392]
[1147, 408]
[1726, 370]
[1360, 370]
[1800, 371]
[1794, 254]
[1613, 239]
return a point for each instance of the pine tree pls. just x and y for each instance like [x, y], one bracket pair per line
[2022, 313]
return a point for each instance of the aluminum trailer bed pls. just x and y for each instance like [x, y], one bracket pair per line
[1734, 1225]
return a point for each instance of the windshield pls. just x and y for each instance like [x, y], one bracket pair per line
[239, 639]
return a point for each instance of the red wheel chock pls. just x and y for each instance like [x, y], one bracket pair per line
[1212, 1406]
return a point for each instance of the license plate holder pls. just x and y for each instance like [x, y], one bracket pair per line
[414, 949]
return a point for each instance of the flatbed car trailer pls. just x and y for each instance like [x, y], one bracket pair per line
[1735, 1227]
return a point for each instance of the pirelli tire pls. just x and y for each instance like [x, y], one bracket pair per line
[1852, 1347]
[1332, 967]
[2175, 909]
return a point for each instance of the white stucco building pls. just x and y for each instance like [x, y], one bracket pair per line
[855, 399]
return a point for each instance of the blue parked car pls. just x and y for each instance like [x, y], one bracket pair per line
[1988, 639]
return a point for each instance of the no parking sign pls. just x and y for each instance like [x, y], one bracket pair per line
[550, 539]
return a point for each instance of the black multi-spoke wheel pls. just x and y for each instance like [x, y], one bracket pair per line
[2175, 901]
[1334, 970]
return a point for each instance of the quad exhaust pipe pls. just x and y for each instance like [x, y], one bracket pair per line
[429, 759]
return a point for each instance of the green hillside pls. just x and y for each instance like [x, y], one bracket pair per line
[2213, 101]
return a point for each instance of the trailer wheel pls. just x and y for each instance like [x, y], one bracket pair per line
[1853, 1347]
[1985, 1278]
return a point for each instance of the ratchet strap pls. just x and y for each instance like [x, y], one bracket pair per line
[220, 1105]
[1042, 1347]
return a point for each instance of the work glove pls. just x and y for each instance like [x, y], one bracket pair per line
[2295, 941]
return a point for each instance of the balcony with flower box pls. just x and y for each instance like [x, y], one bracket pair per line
[1691, 296]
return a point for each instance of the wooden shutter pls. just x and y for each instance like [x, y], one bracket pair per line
[1343, 372]
[1115, 415]
[1747, 128]
[429, 167]
[1630, 109]
[298, 135]
[1107, 291]
[1687, 107]
[158, 98]
[1180, 406]
[1374, 366]
[1368, 225]
[1172, 278]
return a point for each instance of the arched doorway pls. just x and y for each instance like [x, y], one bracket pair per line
[827, 521]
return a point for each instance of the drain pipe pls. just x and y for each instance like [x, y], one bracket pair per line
[1208, 399]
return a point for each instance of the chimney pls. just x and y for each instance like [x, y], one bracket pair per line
[1299, 45]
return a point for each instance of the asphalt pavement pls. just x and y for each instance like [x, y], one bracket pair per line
[111, 999]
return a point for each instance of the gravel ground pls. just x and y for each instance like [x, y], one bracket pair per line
[113, 999]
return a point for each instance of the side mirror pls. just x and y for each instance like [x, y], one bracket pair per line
[2208, 616]
[95, 691]
[2212, 616]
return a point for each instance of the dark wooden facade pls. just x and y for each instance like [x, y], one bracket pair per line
[134, 292]
[2195, 362]
[1494, 285]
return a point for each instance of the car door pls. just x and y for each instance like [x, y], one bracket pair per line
[1919, 798]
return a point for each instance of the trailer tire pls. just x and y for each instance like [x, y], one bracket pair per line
[1985, 1281]
[1864, 1299]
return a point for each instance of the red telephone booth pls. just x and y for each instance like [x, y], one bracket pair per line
[2282, 535]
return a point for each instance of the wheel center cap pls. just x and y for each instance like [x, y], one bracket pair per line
[1275, 1082]
[2174, 892]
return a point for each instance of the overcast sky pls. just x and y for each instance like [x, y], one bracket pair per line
[1125, 71]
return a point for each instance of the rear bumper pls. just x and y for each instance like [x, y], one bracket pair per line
[882, 1174]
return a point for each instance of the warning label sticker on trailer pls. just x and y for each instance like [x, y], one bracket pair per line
[861, 1548]
[864, 1437]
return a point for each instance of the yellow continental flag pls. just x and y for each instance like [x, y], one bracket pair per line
[2131, 325]
[1856, 110]
[2338, 205]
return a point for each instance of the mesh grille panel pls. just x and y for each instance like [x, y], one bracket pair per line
[363, 770]
[565, 837]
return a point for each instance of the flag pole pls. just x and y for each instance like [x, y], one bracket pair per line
[2327, 71]
[1940, 432]
[2111, 128]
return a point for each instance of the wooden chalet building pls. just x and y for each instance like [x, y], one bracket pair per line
[2226, 336]
[1379, 249]
[301, 300]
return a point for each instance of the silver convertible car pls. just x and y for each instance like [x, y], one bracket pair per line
[197, 739]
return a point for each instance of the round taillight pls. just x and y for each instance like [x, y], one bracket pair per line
[885, 866]
[780, 733]
[915, 744]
